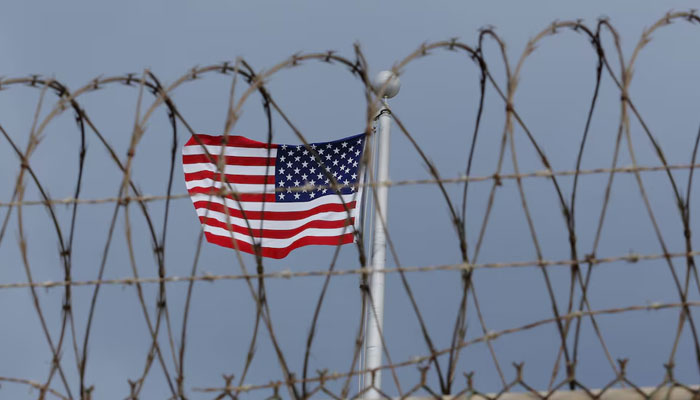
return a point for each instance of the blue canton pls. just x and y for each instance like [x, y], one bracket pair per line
[296, 167]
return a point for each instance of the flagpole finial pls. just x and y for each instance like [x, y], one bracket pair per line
[388, 81]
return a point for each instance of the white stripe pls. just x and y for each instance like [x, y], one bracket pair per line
[239, 187]
[272, 224]
[278, 243]
[260, 170]
[275, 207]
[229, 151]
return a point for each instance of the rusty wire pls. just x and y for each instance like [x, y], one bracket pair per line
[300, 383]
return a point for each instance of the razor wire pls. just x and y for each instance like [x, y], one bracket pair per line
[299, 383]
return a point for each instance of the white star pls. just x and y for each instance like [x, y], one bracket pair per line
[304, 176]
[284, 147]
[312, 170]
[335, 162]
[342, 155]
[328, 146]
[313, 183]
[354, 164]
[346, 182]
[281, 196]
[344, 144]
[289, 164]
[296, 170]
[298, 146]
[313, 146]
[320, 152]
[312, 195]
[297, 158]
[336, 150]
[296, 183]
[324, 191]
[281, 183]
[289, 177]
[283, 158]
[354, 176]
[281, 171]
[349, 160]
[335, 174]
[296, 196]
[328, 157]
[359, 141]
[305, 152]
[304, 164]
[320, 176]
[357, 153]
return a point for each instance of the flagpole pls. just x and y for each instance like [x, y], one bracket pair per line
[388, 85]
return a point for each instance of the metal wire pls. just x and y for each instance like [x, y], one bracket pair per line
[438, 367]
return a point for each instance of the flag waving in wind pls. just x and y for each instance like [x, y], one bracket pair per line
[277, 196]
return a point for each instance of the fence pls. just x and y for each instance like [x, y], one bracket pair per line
[69, 329]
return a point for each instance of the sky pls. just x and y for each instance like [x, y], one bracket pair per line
[77, 41]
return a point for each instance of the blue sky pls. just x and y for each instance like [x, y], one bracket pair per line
[76, 41]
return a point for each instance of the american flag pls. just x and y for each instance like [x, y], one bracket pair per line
[278, 196]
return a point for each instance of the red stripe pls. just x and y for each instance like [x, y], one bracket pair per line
[229, 160]
[281, 252]
[274, 215]
[233, 141]
[277, 233]
[258, 197]
[231, 178]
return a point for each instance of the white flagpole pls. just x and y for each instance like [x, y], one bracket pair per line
[390, 84]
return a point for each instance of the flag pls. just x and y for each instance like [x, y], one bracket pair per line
[278, 196]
